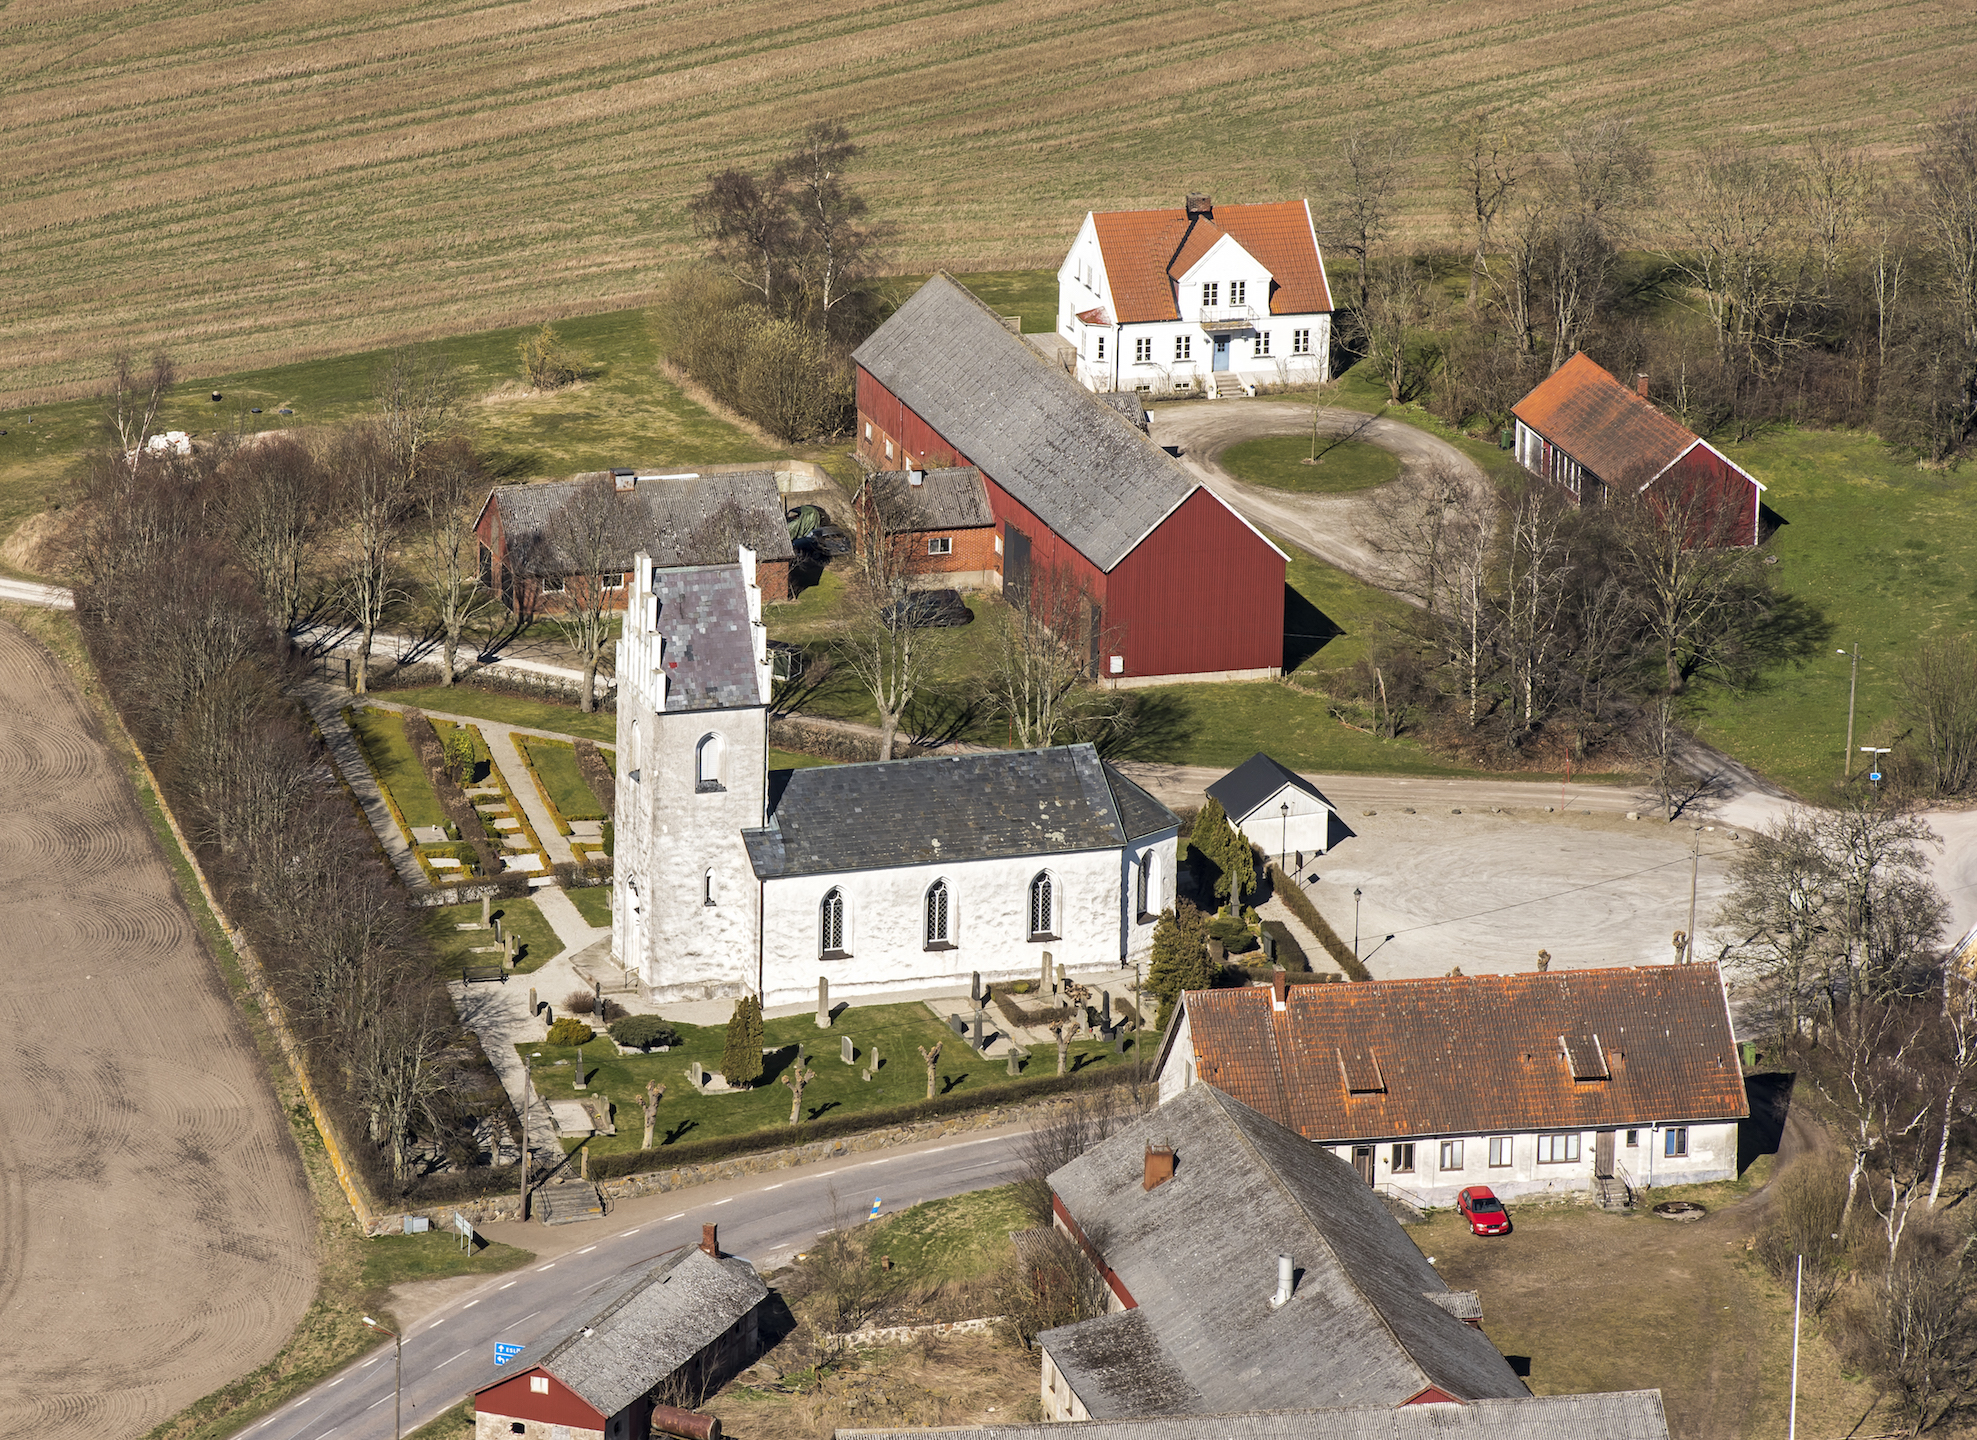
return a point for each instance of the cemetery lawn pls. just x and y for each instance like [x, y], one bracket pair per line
[504, 709]
[381, 736]
[453, 947]
[593, 902]
[561, 782]
[897, 1031]
[1279, 462]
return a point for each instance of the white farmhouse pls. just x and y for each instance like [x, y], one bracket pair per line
[732, 878]
[1276, 809]
[1197, 299]
[1607, 1081]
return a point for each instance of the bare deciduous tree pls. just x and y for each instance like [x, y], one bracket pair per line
[135, 394]
[1363, 180]
[1742, 216]
[1692, 574]
[654, 1093]
[275, 508]
[1490, 159]
[1047, 639]
[448, 494]
[932, 1057]
[418, 395]
[369, 478]
[796, 1077]
[835, 247]
[589, 541]
[1939, 703]
[747, 225]
[875, 638]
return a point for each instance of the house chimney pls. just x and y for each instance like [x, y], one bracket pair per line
[1641, 385]
[709, 1240]
[1286, 1278]
[624, 479]
[1280, 989]
[1159, 1166]
[916, 477]
[1200, 205]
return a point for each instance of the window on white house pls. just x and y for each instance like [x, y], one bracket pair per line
[1043, 909]
[707, 764]
[1675, 1141]
[1146, 895]
[1499, 1151]
[1143, 350]
[1451, 1156]
[941, 545]
[1101, 347]
[937, 914]
[1211, 295]
[1238, 290]
[1300, 342]
[1184, 347]
[830, 918]
[1403, 1160]
[1558, 1149]
[1633, 1139]
[1263, 342]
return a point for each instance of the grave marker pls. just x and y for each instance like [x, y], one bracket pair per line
[697, 1074]
[975, 988]
[846, 1051]
[978, 1029]
[823, 1003]
[487, 911]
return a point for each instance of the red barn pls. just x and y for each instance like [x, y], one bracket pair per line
[1178, 585]
[1588, 434]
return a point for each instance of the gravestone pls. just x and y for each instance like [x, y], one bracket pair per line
[1051, 974]
[975, 988]
[487, 910]
[1043, 983]
[978, 1029]
[823, 1003]
[597, 990]
[497, 928]
[873, 1059]
[580, 1068]
[697, 1074]
[846, 1051]
[1105, 1007]
[865, 1075]
[508, 944]
[957, 1025]
[1015, 1064]
[534, 1008]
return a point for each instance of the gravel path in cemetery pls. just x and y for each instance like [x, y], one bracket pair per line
[156, 1231]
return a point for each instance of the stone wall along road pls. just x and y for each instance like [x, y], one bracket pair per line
[157, 1238]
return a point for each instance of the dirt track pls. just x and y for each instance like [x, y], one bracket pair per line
[156, 1234]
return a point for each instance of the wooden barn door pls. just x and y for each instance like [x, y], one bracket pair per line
[1603, 1155]
[1015, 562]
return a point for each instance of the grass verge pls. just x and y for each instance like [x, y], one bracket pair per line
[505, 709]
[453, 947]
[593, 902]
[559, 779]
[396, 769]
[1281, 462]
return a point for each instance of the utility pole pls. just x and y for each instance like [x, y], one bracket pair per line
[1853, 685]
[1695, 863]
[528, 1089]
[398, 1382]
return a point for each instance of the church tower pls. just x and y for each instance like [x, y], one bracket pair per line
[693, 734]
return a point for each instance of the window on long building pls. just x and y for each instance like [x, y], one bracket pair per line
[937, 927]
[831, 923]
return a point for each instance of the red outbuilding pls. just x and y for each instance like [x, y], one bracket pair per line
[1174, 584]
[1598, 440]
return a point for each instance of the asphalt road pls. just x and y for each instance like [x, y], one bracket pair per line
[449, 1351]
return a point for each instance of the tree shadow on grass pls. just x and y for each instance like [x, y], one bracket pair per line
[674, 1135]
[817, 1111]
[1148, 725]
[948, 1083]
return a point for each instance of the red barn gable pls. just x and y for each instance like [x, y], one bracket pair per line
[1179, 584]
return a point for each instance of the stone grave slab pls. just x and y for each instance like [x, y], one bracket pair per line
[429, 834]
[526, 863]
[587, 829]
[571, 1117]
[445, 862]
[515, 842]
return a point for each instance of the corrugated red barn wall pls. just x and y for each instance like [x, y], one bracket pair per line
[1047, 548]
[1727, 510]
[921, 444]
[1202, 592]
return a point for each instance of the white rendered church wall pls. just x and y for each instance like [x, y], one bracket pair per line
[1136, 934]
[988, 906]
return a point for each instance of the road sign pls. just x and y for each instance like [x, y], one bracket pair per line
[876, 1202]
[504, 1352]
[462, 1224]
[1875, 777]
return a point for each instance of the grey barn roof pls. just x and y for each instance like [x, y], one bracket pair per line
[1198, 1254]
[641, 1327]
[953, 499]
[666, 519]
[979, 806]
[1076, 462]
[1256, 780]
[710, 643]
[1618, 1415]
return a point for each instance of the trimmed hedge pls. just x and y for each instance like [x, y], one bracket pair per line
[700, 1152]
[1292, 894]
[1012, 1006]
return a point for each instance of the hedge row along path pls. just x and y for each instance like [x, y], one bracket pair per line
[154, 1217]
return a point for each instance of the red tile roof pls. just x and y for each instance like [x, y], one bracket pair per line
[1603, 424]
[1476, 1055]
[1147, 251]
[1095, 316]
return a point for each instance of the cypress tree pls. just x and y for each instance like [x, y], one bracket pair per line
[1180, 957]
[741, 1057]
[1210, 826]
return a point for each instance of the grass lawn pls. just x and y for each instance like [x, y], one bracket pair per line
[961, 1237]
[401, 1259]
[381, 735]
[593, 902]
[506, 709]
[790, 760]
[568, 793]
[1282, 463]
[1887, 554]
[896, 1030]
[1032, 294]
[453, 947]
[454, 1424]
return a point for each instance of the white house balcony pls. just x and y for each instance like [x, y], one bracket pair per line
[1227, 319]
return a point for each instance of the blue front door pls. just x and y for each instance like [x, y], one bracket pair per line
[1221, 352]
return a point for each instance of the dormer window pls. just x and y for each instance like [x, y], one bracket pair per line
[1360, 1072]
[1584, 1056]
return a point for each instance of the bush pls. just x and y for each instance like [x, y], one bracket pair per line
[581, 1002]
[1292, 894]
[639, 1031]
[571, 1031]
[1233, 934]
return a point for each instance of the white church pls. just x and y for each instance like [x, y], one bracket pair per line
[735, 879]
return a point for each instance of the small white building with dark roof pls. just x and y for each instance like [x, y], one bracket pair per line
[1280, 811]
[733, 879]
[660, 1335]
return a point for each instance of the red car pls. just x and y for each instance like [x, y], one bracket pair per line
[1483, 1211]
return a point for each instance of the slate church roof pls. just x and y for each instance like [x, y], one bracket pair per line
[668, 517]
[1476, 1055]
[1619, 1415]
[1078, 464]
[832, 819]
[710, 659]
[1198, 1253]
[1256, 780]
[641, 1327]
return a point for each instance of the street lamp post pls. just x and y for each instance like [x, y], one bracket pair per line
[398, 1378]
[1853, 685]
[1284, 838]
[1355, 922]
[528, 1091]
[1877, 751]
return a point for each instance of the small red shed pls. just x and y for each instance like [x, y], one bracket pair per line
[1179, 586]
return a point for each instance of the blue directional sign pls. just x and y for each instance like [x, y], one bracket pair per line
[504, 1352]
[1875, 777]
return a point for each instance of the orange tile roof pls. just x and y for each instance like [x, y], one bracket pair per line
[1476, 1055]
[1146, 251]
[1603, 424]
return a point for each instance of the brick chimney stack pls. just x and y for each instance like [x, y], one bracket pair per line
[709, 1241]
[1200, 205]
[1280, 989]
[1159, 1166]
[1641, 385]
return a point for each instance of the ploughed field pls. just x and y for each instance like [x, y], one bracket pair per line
[251, 183]
[157, 1237]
